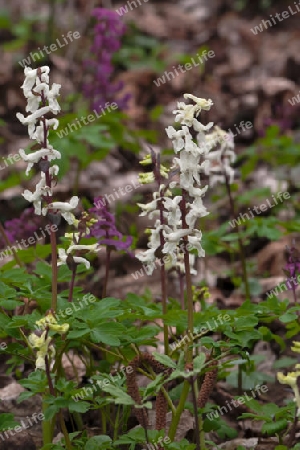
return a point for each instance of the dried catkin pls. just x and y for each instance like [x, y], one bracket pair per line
[208, 384]
[133, 390]
[161, 411]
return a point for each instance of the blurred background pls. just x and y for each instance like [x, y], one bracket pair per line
[143, 56]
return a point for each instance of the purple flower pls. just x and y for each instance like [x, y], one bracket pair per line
[107, 34]
[292, 268]
[105, 229]
[21, 228]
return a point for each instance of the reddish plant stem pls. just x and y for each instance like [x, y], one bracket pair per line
[72, 284]
[188, 277]
[48, 199]
[163, 277]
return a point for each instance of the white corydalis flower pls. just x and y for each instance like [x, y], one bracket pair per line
[148, 256]
[62, 258]
[194, 157]
[35, 157]
[64, 208]
[41, 100]
[185, 114]
[220, 160]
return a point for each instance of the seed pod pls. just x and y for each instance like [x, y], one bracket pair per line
[208, 384]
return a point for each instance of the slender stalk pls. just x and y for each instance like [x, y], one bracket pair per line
[164, 306]
[116, 427]
[188, 278]
[197, 429]
[54, 270]
[179, 409]
[163, 278]
[240, 241]
[48, 425]
[244, 269]
[202, 434]
[48, 199]
[64, 430]
[78, 420]
[72, 284]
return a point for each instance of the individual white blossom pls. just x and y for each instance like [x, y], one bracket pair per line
[148, 256]
[173, 213]
[64, 208]
[195, 241]
[73, 247]
[172, 238]
[89, 248]
[35, 157]
[179, 265]
[41, 190]
[185, 114]
[62, 258]
[196, 210]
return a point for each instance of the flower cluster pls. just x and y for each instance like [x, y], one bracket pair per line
[41, 340]
[104, 227]
[108, 32]
[21, 228]
[292, 268]
[41, 100]
[176, 216]
[292, 377]
[221, 158]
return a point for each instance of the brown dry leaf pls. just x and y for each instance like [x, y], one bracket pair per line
[11, 391]
[73, 366]
[272, 258]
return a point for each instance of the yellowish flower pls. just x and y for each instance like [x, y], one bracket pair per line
[296, 347]
[45, 348]
[51, 322]
[146, 161]
[291, 378]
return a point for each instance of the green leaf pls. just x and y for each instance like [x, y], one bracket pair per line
[7, 292]
[120, 397]
[80, 407]
[165, 360]
[288, 317]
[75, 334]
[50, 411]
[10, 304]
[7, 421]
[271, 428]
[284, 362]
[199, 362]
[108, 333]
[95, 442]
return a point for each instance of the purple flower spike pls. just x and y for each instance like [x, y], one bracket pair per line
[292, 269]
[105, 229]
[107, 35]
[21, 228]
